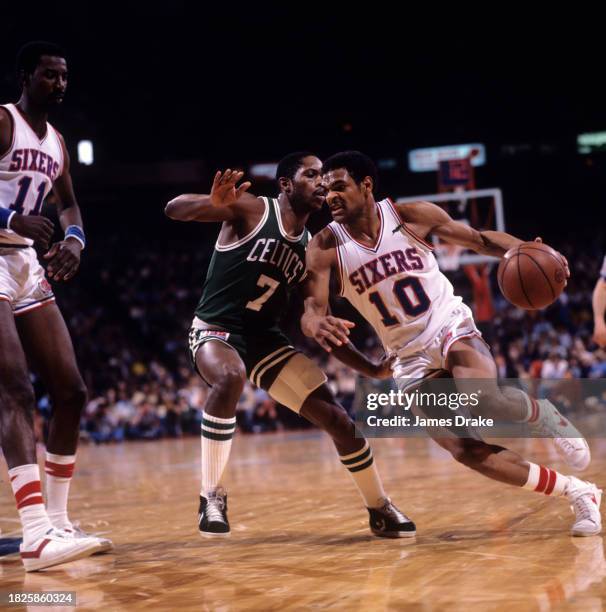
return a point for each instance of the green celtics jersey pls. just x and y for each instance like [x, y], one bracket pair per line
[248, 282]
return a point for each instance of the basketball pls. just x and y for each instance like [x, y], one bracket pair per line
[531, 275]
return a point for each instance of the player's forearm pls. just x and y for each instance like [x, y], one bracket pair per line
[70, 216]
[353, 358]
[598, 303]
[313, 309]
[496, 244]
[188, 207]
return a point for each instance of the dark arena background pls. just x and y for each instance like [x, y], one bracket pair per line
[507, 116]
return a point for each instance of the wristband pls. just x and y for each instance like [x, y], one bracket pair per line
[5, 217]
[75, 231]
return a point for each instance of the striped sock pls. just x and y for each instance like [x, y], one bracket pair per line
[25, 481]
[59, 471]
[363, 470]
[546, 480]
[217, 435]
[532, 407]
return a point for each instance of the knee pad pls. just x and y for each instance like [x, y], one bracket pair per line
[299, 377]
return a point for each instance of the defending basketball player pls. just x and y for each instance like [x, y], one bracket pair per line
[34, 162]
[259, 258]
[385, 266]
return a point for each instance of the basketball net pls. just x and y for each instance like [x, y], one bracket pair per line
[449, 256]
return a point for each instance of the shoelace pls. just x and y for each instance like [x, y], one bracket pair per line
[565, 444]
[214, 509]
[394, 513]
[582, 507]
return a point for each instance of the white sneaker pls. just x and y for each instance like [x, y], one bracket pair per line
[105, 544]
[569, 442]
[585, 500]
[53, 548]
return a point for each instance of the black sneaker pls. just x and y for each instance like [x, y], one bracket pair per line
[212, 516]
[389, 522]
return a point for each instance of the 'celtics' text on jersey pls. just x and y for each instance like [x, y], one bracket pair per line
[249, 281]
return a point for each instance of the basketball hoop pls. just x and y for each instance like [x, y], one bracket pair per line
[449, 256]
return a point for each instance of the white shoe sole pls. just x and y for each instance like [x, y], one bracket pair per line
[208, 534]
[585, 534]
[394, 534]
[33, 565]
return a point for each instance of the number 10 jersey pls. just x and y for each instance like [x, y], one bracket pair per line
[396, 285]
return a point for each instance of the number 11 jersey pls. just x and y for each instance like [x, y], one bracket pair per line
[27, 171]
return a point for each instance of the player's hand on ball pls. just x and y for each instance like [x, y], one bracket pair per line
[39, 229]
[64, 259]
[329, 329]
[225, 190]
[564, 260]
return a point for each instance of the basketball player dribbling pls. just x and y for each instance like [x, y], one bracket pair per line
[34, 162]
[385, 266]
[259, 258]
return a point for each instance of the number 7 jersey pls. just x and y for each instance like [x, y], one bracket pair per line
[27, 170]
[396, 285]
[248, 282]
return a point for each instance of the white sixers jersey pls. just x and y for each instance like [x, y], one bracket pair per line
[28, 171]
[397, 285]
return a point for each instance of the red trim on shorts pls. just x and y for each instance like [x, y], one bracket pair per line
[35, 305]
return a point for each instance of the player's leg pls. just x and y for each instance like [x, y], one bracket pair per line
[472, 366]
[468, 361]
[300, 385]
[42, 545]
[49, 349]
[222, 368]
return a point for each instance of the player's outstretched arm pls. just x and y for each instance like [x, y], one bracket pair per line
[331, 333]
[599, 309]
[429, 218]
[64, 256]
[226, 201]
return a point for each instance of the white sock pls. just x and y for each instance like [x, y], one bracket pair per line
[25, 481]
[532, 409]
[363, 470]
[216, 439]
[546, 480]
[59, 471]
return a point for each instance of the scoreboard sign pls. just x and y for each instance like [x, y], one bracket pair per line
[428, 159]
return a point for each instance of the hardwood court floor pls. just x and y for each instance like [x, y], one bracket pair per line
[300, 536]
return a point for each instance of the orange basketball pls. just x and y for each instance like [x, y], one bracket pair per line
[531, 275]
